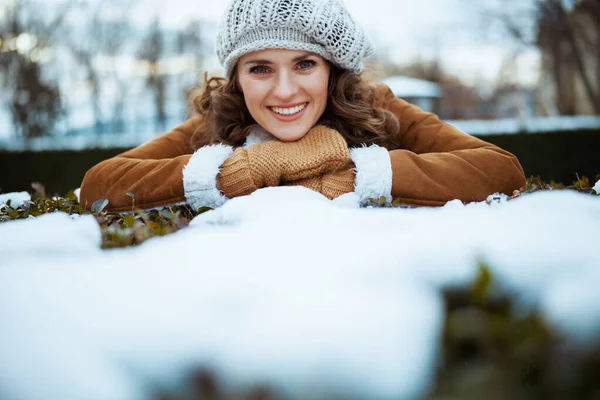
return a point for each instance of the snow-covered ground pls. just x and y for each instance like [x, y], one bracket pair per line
[511, 126]
[16, 199]
[284, 287]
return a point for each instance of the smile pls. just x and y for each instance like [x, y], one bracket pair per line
[288, 111]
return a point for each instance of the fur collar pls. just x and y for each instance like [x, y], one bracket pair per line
[258, 136]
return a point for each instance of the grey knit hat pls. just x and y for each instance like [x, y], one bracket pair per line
[323, 27]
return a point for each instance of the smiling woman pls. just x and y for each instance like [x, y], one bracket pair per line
[282, 86]
[293, 109]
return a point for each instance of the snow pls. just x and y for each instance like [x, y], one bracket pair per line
[80, 142]
[48, 236]
[597, 187]
[284, 287]
[16, 199]
[511, 126]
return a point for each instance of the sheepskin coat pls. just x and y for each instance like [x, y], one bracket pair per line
[433, 164]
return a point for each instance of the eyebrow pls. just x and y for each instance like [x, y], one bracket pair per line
[263, 61]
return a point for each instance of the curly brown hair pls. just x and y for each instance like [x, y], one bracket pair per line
[351, 110]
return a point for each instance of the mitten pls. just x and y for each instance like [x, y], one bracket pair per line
[335, 184]
[321, 150]
[331, 184]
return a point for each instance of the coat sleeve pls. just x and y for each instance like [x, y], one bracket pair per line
[164, 171]
[436, 163]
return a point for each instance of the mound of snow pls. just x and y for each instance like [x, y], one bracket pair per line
[284, 287]
[17, 199]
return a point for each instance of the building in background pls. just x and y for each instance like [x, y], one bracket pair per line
[425, 94]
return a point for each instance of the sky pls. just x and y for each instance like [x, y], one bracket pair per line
[405, 29]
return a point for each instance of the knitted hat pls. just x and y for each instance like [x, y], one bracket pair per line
[323, 27]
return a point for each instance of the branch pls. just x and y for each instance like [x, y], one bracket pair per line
[587, 83]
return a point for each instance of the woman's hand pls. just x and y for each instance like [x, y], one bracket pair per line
[331, 184]
[322, 150]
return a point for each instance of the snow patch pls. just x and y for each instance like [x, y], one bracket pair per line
[17, 199]
[513, 126]
[284, 287]
[47, 236]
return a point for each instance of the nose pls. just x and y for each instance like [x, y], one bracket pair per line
[286, 86]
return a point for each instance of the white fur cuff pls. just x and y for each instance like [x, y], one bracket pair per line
[373, 173]
[200, 176]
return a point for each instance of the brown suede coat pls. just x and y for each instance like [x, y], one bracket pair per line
[434, 163]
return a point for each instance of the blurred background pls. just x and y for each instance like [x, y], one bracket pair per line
[83, 80]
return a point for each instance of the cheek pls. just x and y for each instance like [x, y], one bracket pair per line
[254, 95]
[320, 97]
[252, 99]
[323, 92]
[320, 88]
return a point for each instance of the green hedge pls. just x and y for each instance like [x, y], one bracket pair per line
[59, 171]
[555, 156]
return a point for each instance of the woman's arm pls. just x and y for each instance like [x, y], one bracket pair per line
[159, 173]
[438, 163]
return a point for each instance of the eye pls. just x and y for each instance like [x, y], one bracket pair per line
[306, 64]
[259, 70]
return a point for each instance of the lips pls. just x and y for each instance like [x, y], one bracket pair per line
[289, 117]
[289, 105]
[289, 110]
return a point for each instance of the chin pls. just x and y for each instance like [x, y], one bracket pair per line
[292, 138]
[290, 135]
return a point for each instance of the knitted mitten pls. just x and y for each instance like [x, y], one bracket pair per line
[332, 184]
[313, 183]
[335, 184]
[321, 150]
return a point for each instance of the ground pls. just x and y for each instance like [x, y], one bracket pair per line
[309, 297]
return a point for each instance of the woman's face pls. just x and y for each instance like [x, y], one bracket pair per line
[285, 90]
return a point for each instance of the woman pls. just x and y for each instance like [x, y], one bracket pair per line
[294, 111]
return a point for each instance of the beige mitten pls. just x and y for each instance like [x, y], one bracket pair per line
[335, 184]
[313, 183]
[331, 184]
[320, 151]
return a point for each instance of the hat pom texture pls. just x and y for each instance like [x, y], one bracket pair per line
[323, 27]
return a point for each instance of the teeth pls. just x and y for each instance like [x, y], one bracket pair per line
[288, 111]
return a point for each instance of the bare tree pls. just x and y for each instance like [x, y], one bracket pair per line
[84, 47]
[190, 42]
[33, 98]
[555, 28]
[151, 51]
[107, 33]
[552, 15]
[118, 33]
